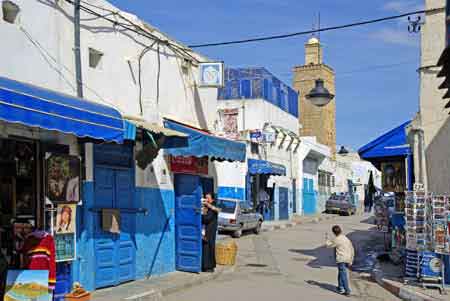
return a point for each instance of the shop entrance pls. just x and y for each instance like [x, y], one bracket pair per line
[188, 223]
[115, 251]
[115, 254]
[283, 193]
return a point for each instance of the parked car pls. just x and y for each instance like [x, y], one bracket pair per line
[237, 216]
[341, 204]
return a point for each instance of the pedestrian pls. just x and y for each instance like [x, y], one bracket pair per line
[345, 253]
[209, 221]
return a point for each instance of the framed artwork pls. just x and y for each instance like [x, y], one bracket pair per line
[27, 285]
[65, 218]
[62, 178]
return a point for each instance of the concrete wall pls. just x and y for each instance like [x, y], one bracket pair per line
[434, 118]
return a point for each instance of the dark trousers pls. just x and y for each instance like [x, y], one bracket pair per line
[343, 277]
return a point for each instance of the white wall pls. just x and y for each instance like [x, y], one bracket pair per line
[51, 26]
[51, 65]
[434, 118]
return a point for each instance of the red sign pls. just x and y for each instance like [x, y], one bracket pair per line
[190, 165]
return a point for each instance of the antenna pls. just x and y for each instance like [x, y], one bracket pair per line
[318, 33]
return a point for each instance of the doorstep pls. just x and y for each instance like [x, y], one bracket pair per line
[155, 288]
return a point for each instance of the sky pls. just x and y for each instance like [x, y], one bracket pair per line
[377, 84]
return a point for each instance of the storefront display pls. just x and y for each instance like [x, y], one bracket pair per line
[426, 236]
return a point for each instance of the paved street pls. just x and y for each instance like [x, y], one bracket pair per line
[291, 265]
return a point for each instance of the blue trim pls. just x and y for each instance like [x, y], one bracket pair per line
[203, 144]
[129, 130]
[265, 167]
[38, 107]
[231, 193]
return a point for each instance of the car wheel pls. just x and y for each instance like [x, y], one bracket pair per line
[237, 233]
[257, 230]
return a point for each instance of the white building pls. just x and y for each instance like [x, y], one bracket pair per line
[429, 131]
[249, 112]
[146, 76]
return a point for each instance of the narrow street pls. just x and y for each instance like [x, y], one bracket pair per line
[292, 264]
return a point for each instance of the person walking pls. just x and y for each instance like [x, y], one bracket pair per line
[209, 221]
[345, 254]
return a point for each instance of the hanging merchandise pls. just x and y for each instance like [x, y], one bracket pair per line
[381, 215]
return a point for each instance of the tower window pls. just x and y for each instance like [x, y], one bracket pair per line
[95, 58]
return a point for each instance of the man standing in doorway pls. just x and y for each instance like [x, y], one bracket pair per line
[345, 253]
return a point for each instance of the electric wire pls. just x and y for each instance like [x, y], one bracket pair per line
[47, 55]
[319, 30]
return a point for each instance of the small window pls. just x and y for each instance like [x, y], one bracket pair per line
[95, 58]
[10, 11]
[333, 181]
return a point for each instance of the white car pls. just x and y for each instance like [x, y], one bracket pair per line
[237, 216]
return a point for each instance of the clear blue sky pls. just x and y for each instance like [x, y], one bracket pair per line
[371, 98]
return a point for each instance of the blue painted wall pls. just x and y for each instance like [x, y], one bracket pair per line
[155, 232]
[254, 83]
[154, 238]
[231, 192]
[83, 267]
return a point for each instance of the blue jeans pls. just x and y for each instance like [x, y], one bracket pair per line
[342, 277]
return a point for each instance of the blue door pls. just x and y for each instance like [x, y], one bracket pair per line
[294, 195]
[115, 254]
[188, 223]
[284, 203]
[309, 197]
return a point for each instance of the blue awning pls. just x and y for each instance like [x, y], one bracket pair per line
[38, 107]
[265, 167]
[201, 144]
[392, 144]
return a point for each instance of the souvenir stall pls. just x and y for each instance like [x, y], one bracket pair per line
[40, 183]
[427, 238]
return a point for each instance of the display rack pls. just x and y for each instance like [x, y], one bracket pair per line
[426, 238]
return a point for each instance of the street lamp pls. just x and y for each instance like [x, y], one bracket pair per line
[319, 95]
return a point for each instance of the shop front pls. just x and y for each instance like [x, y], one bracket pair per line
[193, 177]
[261, 194]
[41, 176]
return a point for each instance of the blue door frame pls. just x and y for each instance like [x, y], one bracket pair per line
[188, 223]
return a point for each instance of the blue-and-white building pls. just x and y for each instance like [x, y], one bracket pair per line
[259, 109]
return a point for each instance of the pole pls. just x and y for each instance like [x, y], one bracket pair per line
[76, 23]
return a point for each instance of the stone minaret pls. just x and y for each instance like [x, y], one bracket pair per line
[316, 121]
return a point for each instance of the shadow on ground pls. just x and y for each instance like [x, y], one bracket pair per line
[323, 285]
[367, 244]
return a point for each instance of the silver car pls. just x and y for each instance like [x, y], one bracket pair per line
[237, 216]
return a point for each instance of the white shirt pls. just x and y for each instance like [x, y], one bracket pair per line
[345, 253]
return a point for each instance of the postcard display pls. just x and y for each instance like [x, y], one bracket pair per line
[427, 237]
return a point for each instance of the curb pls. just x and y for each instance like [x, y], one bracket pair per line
[397, 289]
[171, 290]
[155, 294]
